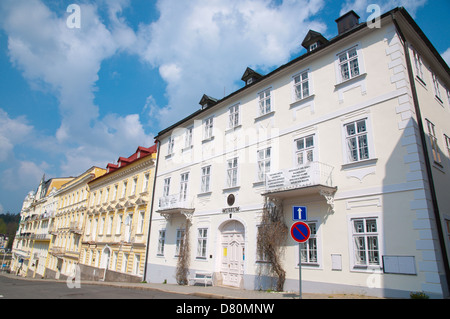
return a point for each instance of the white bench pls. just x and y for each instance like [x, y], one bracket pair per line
[202, 277]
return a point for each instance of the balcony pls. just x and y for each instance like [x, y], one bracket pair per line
[76, 228]
[312, 178]
[171, 205]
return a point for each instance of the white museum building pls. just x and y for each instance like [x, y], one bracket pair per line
[356, 130]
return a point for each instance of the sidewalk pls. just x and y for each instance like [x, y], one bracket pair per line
[213, 292]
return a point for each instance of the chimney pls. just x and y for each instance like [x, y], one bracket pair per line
[347, 21]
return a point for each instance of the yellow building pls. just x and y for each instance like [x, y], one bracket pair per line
[117, 221]
[31, 244]
[67, 224]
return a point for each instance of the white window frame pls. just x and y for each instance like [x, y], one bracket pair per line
[136, 264]
[437, 90]
[369, 136]
[124, 266]
[418, 65]
[306, 152]
[188, 136]
[263, 157]
[234, 116]
[184, 186]
[340, 63]
[433, 142]
[166, 187]
[170, 145]
[232, 179]
[208, 126]
[110, 224]
[365, 234]
[202, 243]
[308, 248]
[161, 242]
[299, 82]
[265, 102]
[181, 237]
[205, 186]
[140, 225]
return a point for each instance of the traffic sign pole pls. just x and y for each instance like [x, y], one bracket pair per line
[299, 271]
[300, 232]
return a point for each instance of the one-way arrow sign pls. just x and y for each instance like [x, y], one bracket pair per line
[299, 213]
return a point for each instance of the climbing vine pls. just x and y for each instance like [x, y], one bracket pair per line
[271, 240]
[183, 258]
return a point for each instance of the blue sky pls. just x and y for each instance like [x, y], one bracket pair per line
[72, 98]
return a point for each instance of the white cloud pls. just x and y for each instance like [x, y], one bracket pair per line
[204, 47]
[12, 132]
[446, 56]
[66, 61]
[360, 6]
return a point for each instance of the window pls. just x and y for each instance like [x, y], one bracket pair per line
[170, 145]
[145, 184]
[101, 226]
[308, 249]
[261, 255]
[180, 241]
[437, 90]
[136, 263]
[184, 186]
[357, 141]
[206, 175]
[418, 65]
[99, 199]
[263, 163]
[348, 64]
[166, 188]
[161, 241]
[301, 85]
[232, 170]
[106, 195]
[110, 223]
[433, 141]
[118, 224]
[208, 128]
[133, 186]
[265, 102]
[124, 262]
[140, 226]
[304, 150]
[124, 189]
[188, 137]
[366, 242]
[447, 143]
[115, 192]
[233, 116]
[201, 242]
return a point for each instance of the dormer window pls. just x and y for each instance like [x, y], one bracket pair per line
[313, 46]
[250, 76]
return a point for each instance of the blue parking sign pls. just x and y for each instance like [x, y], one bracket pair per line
[299, 213]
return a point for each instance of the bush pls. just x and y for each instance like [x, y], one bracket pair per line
[419, 295]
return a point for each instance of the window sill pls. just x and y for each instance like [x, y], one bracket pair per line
[350, 81]
[264, 116]
[301, 101]
[259, 183]
[230, 189]
[359, 164]
[187, 148]
[208, 139]
[438, 166]
[439, 100]
[232, 129]
[422, 82]
[204, 194]
[169, 156]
